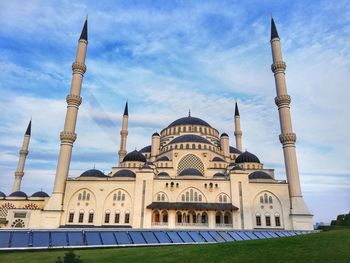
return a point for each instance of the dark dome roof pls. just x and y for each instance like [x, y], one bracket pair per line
[163, 158]
[190, 138]
[155, 134]
[224, 134]
[134, 156]
[163, 174]
[191, 171]
[217, 159]
[259, 175]
[146, 149]
[237, 167]
[40, 194]
[189, 121]
[247, 157]
[124, 173]
[93, 173]
[234, 150]
[2, 194]
[18, 194]
[218, 175]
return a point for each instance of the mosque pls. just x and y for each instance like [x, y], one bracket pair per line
[189, 176]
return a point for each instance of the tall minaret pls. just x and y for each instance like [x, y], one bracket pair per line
[68, 135]
[287, 136]
[123, 134]
[22, 159]
[238, 132]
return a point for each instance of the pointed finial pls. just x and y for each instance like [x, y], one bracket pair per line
[236, 110]
[126, 109]
[84, 32]
[29, 128]
[274, 33]
[189, 112]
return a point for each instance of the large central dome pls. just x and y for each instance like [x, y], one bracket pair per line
[189, 121]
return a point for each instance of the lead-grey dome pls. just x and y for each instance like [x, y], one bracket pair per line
[40, 194]
[19, 194]
[134, 156]
[163, 174]
[146, 149]
[259, 175]
[2, 195]
[247, 157]
[190, 171]
[163, 158]
[217, 159]
[190, 138]
[234, 150]
[93, 173]
[219, 175]
[189, 121]
[124, 173]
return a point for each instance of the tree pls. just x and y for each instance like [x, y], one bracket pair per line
[69, 257]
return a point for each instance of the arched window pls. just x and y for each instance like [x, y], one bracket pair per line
[175, 146]
[187, 196]
[225, 199]
[200, 198]
[184, 129]
[183, 198]
[267, 219]
[88, 197]
[204, 218]
[156, 216]
[163, 197]
[227, 218]
[165, 216]
[79, 197]
[205, 147]
[117, 217]
[127, 217]
[178, 217]
[265, 198]
[191, 195]
[123, 197]
[187, 146]
[220, 199]
[181, 146]
[258, 219]
[193, 146]
[261, 199]
[84, 195]
[218, 218]
[200, 129]
[71, 216]
[107, 216]
[158, 197]
[195, 197]
[199, 146]
[119, 195]
[277, 219]
[91, 216]
[270, 199]
[81, 216]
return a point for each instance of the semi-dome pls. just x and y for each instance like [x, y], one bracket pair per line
[146, 149]
[93, 173]
[219, 175]
[217, 159]
[234, 150]
[19, 194]
[259, 175]
[135, 156]
[224, 134]
[163, 174]
[163, 158]
[247, 157]
[155, 134]
[40, 194]
[2, 195]
[189, 121]
[124, 173]
[190, 171]
[190, 138]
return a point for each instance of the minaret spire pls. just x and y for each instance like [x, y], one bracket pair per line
[300, 215]
[238, 132]
[124, 134]
[22, 159]
[68, 135]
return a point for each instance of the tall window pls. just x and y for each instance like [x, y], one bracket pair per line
[127, 218]
[71, 217]
[258, 220]
[107, 216]
[91, 217]
[81, 217]
[277, 220]
[179, 217]
[117, 218]
[268, 220]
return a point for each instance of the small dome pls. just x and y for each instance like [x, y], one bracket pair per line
[135, 156]
[234, 150]
[93, 173]
[19, 194]
[40, 194]
[224, 134]
[219, 175]
[155, 134]
[2, 195]
[259, 175]
[189, 121]
[189, 138]
[163, 174]
[237, 167]
[124, 173]
[163, 158]
[146, 149]
[217, 159]
[247, 157]
[191, 171]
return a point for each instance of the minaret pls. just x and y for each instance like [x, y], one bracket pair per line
[68, 135]
[123, 134]
[22, 159]
[238, 132]
[287, 136]
[155, 147]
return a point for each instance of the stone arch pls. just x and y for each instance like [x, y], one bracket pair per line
[124, 205]
[188, 198]
[190, 161]
[158, 197]
[75, 205]
[223, 198]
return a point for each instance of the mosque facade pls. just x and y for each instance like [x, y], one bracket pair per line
[189, 177]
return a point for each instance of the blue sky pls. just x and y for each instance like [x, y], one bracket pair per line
[166, 57]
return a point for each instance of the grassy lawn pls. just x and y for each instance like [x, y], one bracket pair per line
[329, 246]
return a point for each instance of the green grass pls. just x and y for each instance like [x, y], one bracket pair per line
[330, 246]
